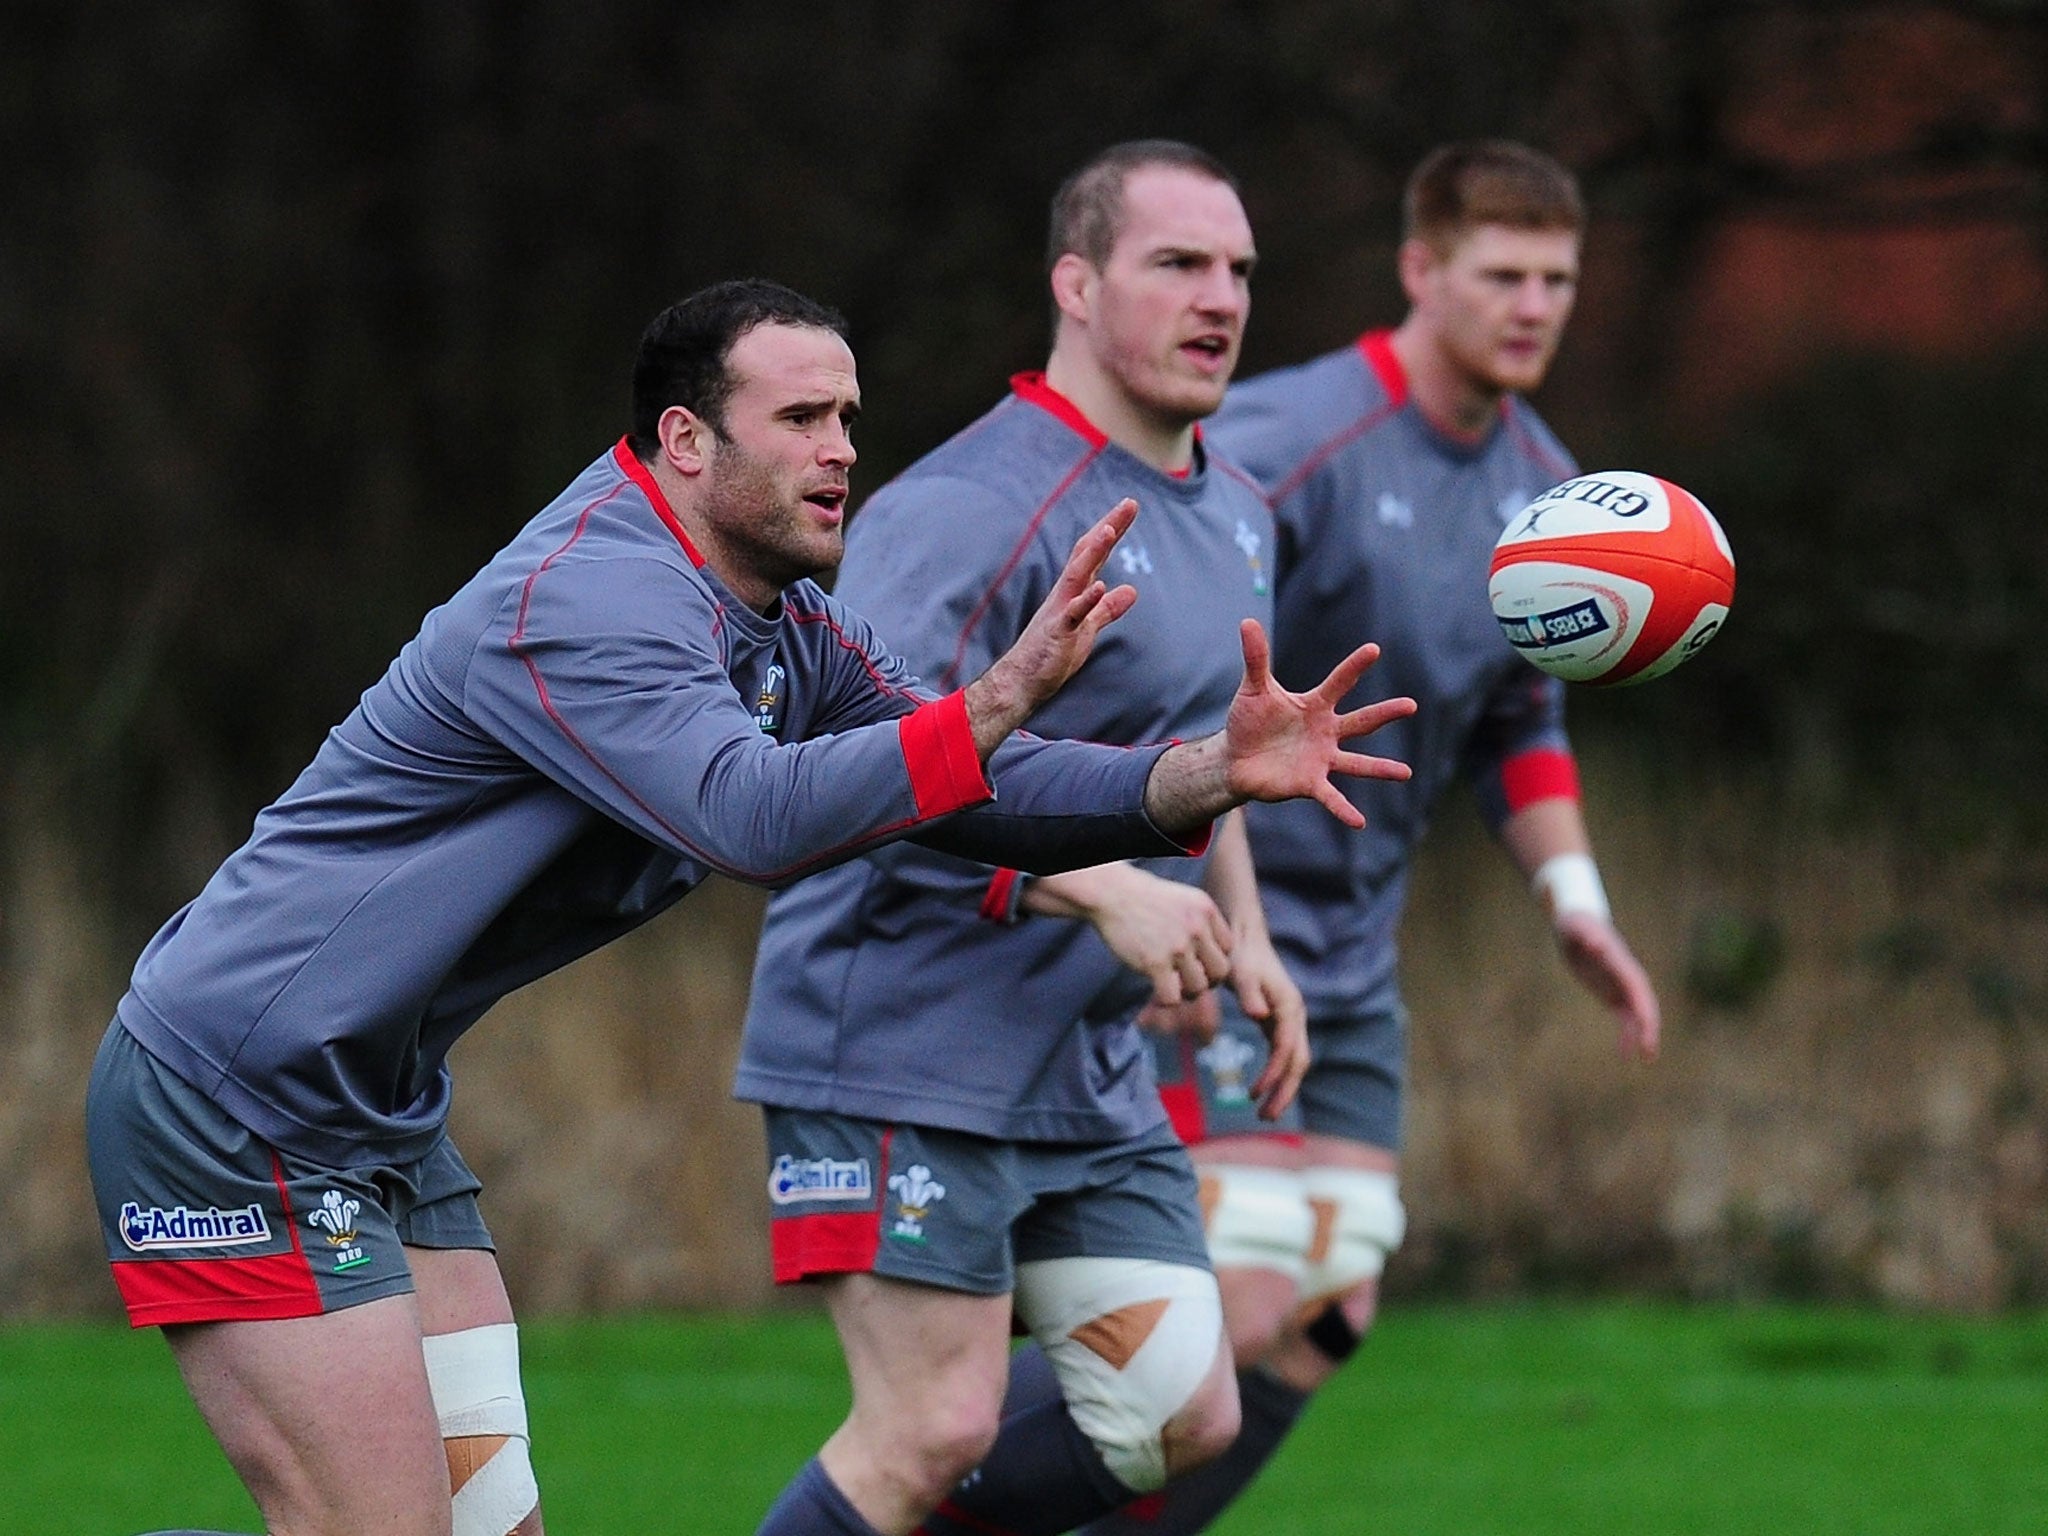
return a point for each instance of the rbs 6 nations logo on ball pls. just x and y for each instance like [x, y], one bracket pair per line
[1611, 578]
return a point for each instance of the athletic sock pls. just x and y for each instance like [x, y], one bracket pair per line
[812, 1505]
[1041, 1477]
[1187, 1504]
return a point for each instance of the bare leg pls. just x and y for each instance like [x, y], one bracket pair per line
[928, 1368]
[327, 1420]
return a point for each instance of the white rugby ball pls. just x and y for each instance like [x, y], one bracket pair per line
[1611, 578]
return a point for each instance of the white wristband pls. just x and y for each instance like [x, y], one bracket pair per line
[1569, 884]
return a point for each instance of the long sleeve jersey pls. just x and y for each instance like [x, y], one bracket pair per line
[1386, 526]
[588, 728]
[900, 987]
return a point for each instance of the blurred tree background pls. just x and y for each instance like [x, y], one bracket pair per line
[305, 307]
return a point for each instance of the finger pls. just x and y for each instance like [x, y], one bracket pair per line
[1345, 675]
[1358, 765]
[1194, 974]
[1219, 931]
[1330, 800]
[1253, 997]
[1206, 1018]
[1281, 1080]
[1215, 960]
[1108, 608]
[1166, 986]
[1368, 718]
[1093, 548]
[1083, 603]
[1258, 657]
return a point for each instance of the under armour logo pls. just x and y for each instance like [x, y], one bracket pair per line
[1136, 562]
[1395, 512]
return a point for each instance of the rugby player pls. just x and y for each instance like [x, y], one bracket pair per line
[1391, 465]
[643, 687]
[962, 1120]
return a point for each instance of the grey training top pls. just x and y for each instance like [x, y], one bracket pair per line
[573, 741]
[901, 987]
[1386, 527]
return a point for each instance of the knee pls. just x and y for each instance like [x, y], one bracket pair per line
[932, 1441]
[1134, 1343]
[1207, 1423]
[474, 1377]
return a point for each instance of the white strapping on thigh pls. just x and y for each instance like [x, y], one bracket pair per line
[1131, 1340]
[1359, 1221]
[1256, 1218]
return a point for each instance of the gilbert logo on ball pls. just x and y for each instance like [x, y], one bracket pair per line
[1611, 578]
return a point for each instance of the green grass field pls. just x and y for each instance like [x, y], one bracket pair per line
[1579, 1419]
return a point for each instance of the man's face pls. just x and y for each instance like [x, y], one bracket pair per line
[775, 497]
[1169, 308]
[1497, 304]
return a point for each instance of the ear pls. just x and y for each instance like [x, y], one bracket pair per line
[1073, 286]
[685, 439]
[1417, 262]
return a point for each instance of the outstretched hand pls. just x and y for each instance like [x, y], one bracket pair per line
[1606, 967]
[1057, 640]
[1285, 746]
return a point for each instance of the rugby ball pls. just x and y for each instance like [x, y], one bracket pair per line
[1611, 578]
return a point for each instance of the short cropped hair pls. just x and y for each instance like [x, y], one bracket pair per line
[1088, 209]
[683, 351]
[1460, 186]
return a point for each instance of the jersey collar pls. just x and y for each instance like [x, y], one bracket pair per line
[630, 465]
[1032, 389]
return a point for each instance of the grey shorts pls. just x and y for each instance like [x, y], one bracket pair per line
[205, 1222]
[1352, 1090]
[948, 1209]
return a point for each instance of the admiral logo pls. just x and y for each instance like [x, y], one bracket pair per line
[819, 1178]
[181, 1227]
[1539, 631]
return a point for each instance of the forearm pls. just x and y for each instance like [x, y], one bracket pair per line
[1549, 844]
[1190, 786]
[1230, 879]
[1078, 893]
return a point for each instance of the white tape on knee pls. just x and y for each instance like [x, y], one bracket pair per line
[474, 1376]
[1257, 1218]
[1131, 1340]
[1359, 1221]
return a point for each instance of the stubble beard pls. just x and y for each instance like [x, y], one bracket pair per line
[765, 525]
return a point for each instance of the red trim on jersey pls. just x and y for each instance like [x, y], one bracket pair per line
[629, 461]
[1183, 1103]
[1031, 387]
[160, 1291]
[938, 748]
[1182, 1100]
[831, 1242]
[828, 1243]
[264, 1286]
[1541, 774]
[995, 901]
[1380, 356]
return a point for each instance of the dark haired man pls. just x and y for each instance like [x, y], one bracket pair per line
[1391, 465]
[641, 689]
[961, 1117]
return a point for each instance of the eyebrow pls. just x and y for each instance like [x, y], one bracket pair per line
[814, 404]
